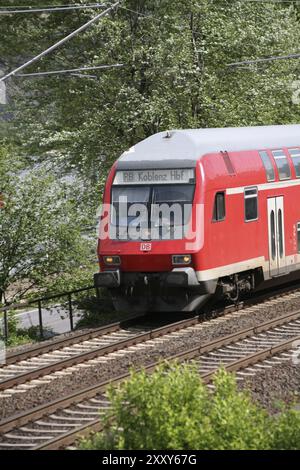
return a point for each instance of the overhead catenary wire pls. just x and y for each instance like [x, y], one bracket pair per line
[265, 59]
[8, 10]
[61, 42]
[59, 8]
[143, 15]
[71, 71]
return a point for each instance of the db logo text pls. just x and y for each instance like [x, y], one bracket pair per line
[146, 246]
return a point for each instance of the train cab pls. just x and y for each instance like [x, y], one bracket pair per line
[192, 214]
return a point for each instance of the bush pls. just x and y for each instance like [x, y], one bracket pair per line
[173, 409]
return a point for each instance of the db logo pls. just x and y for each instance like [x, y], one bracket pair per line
[146, 246]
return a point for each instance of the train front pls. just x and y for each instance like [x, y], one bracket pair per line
[151, 229]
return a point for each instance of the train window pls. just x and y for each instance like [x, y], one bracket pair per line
[143, 211]
[172, 193]
[123, 198]
[268, 166]
[298, 234]
[219, 207]
[282, 164]
[251, 204]
[180, 195]
[295, 155]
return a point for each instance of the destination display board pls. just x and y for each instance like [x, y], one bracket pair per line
[169, 176]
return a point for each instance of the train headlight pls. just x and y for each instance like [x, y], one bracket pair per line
[181, 259]
[112, 260]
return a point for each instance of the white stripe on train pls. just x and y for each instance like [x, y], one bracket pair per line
[292, 264]
[265, 186]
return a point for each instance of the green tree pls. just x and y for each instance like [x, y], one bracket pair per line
[175, 75]
[173, 409]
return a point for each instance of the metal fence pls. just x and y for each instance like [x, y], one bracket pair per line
[39, 303]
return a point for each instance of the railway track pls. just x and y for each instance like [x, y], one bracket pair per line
[59, 423]
[77, 350]
[39, 361]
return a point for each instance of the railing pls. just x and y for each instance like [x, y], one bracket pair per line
[39, 303]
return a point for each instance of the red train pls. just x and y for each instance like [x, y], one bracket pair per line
[191, 214]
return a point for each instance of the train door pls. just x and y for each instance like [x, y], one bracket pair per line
[276, 236]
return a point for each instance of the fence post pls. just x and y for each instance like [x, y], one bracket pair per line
[40, 319]
[71, 312]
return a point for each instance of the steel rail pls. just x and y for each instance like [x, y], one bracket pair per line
[59, 343]
[115, 346]
[96, 426]
[12, 422]
[96, 352]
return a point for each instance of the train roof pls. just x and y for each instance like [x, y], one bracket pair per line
[183, 148]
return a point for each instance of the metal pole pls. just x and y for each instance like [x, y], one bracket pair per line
[71, 312]
[60, 43]
[40, 319]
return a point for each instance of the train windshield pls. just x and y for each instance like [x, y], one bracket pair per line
[152, 212]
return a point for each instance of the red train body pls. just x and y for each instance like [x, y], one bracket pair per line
[241, 229]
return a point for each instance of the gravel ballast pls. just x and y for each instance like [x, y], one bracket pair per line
[57, 385]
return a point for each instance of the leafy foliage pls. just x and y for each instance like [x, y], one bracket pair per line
[175, 75]
[40, 230]
[19, 336]
[173, 409]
